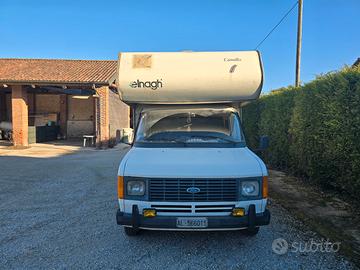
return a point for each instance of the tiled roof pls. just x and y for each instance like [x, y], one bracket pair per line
[54, 71]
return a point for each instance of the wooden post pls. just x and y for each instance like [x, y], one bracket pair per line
[299, 41]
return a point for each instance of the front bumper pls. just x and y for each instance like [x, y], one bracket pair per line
[138, 221]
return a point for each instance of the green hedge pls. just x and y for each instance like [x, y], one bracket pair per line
[314, 130]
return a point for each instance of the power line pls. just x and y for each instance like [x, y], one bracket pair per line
[272, 30]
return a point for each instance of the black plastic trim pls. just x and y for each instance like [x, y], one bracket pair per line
[250, 221]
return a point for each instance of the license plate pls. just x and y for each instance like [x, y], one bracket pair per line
[191, 222]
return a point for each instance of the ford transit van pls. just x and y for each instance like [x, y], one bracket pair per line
[189, 167]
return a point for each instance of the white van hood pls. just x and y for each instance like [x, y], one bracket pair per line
[191, 162]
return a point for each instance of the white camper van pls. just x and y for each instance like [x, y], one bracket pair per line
[189, 167]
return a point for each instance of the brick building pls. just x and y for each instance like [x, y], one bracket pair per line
[43, 98]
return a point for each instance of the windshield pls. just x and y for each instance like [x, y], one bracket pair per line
[191, 126]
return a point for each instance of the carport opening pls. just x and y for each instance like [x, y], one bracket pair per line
[55, 115]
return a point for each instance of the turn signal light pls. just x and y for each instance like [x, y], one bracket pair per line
[149, 212]
[265, 187]
[238, 212]
[120, 187]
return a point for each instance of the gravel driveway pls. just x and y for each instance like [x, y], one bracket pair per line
[59, 213]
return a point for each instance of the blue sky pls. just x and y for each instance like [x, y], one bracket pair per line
[101, 29]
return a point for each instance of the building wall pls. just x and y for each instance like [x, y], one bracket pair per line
[31, 103]
[8, 107]
[119, 114]
[43, 108]
[47, 103]
[80, 117]
[2, 106]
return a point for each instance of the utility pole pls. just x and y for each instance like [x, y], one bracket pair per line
[299, 40]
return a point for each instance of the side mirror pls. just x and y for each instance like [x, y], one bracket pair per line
[264, 142]
[127, 135]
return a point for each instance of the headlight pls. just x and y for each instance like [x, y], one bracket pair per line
[250, 188]
[136, 188]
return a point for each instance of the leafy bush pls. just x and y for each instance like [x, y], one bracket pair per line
[271, 116]
[250, 119]
[314, 130]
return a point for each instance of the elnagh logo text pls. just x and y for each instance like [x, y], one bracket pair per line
[147, 84]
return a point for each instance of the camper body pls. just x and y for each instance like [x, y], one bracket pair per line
[189, 167]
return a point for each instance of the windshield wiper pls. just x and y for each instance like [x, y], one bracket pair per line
[215, 137]
[166, 141]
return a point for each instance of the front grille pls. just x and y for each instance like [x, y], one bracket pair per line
[176, 190]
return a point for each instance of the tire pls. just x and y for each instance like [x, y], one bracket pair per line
[251, 232]
[131, 231]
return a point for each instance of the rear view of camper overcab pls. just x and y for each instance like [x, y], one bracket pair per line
[189, 167]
